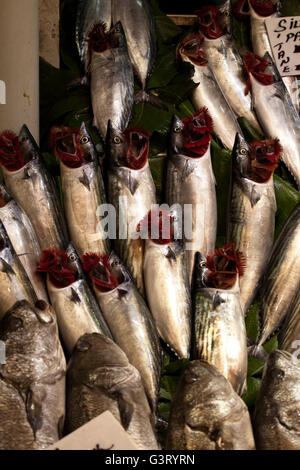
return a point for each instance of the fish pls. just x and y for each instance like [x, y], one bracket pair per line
[166, 282]
[208, 94]
[207, 414]
[128, 317]
[274, 109]
[276, 417]
[138, 22]
[72, 299]
[191, 183]
[23, 239]
[132, 192]
[252, 208]
[111, 78]
[33, 188]
[89, 13]
[289, 334]
[83, 188]
[281, 281]
[226, 63]
[219, 331]
[32, 381]
[15, 285]
[99, 379]
[260, 11]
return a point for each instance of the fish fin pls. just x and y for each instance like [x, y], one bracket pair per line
[258, 352]
[33, 411]
[122, 292]
[133, 184]
[84, 179]
[217, 300]
[75, 297]
[171, 255]
[6, 268]
[144, 97]
[254, 197]
[187, 170]
[126, 410]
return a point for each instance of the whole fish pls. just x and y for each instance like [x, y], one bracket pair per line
[289, 335]
[131, 190]
[276, 418]
[111, 77]
[260, 11]
[82, 187]
[138, 22]
[89, 13]
[128, 318]
[274, 109]
[100, 378]
[282, 279]
[75, 305]
[23, 239]
[33, 188]
[208, 93]
[32, 381]
[226, 63]
[14, 283]
[207, 414]
[191, 183]
[219, 326]
[252, 209]
[167, 284]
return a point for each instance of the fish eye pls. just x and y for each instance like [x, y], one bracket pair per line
[84, 140]
[15, 323]
[24, 139]
[72, 257]
[243, 151]
[117, 140]
[177, 129]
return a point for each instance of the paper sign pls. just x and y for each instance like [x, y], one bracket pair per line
[102, 433]
[284, 35]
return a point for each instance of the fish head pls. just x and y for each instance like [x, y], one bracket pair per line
[201, 271]
[158, 226]
[27, 145]
[117, 35]
[55, 263]
[260, 69]
[116, 145]
[210, 22]
[264, 159]
[197, 133]
[241, 156]
[264, 8]
[176, 139]
[74, 262]
[226, 265]
[191, 47]
[105, 271]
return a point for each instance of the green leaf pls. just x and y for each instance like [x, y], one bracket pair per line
[250, 133]
[253, 385]
[290, 8]
[164, 409]
[287, 198]
[271, 344]
[255, 366]
[252, 323]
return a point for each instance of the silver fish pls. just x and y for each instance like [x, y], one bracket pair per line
[23, 239]
[32, 382]
[289, 335]
[111, 79]
[191, 181]
[34, 190]
[251, 218]
[82, 187]
[282, 279]
[14, 282]
[278, 117]
[76, 308]
[89, 13]
[132, 327]
[207, 414]
[276, 417]
[100, 378]
[132, 192]
[208, 93]
[219, 328]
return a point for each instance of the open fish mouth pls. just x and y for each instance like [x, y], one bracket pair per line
[263, 7]
[55, 264]
[101, 40]
[210, 22]
[158, 226]
[256, 65]
[264, 158]
[192, 48]
[241, 10]
[137, 148]
[197, 133]
[10, 155]
[65, 142]
[101, 272]
[225, 264]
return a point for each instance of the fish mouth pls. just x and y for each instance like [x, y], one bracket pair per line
[65, 143]
[191, 48]
[257, 66]
[264, 158]
[210, 22]
[100, 271]
[99, 40]
[241, 10]
[55, 264]
[263, 7]
[158, 226]
[138, 148]
[225, 264]
[197, 133]
[10, 154]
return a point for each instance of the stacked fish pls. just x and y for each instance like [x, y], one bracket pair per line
[114, 296]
